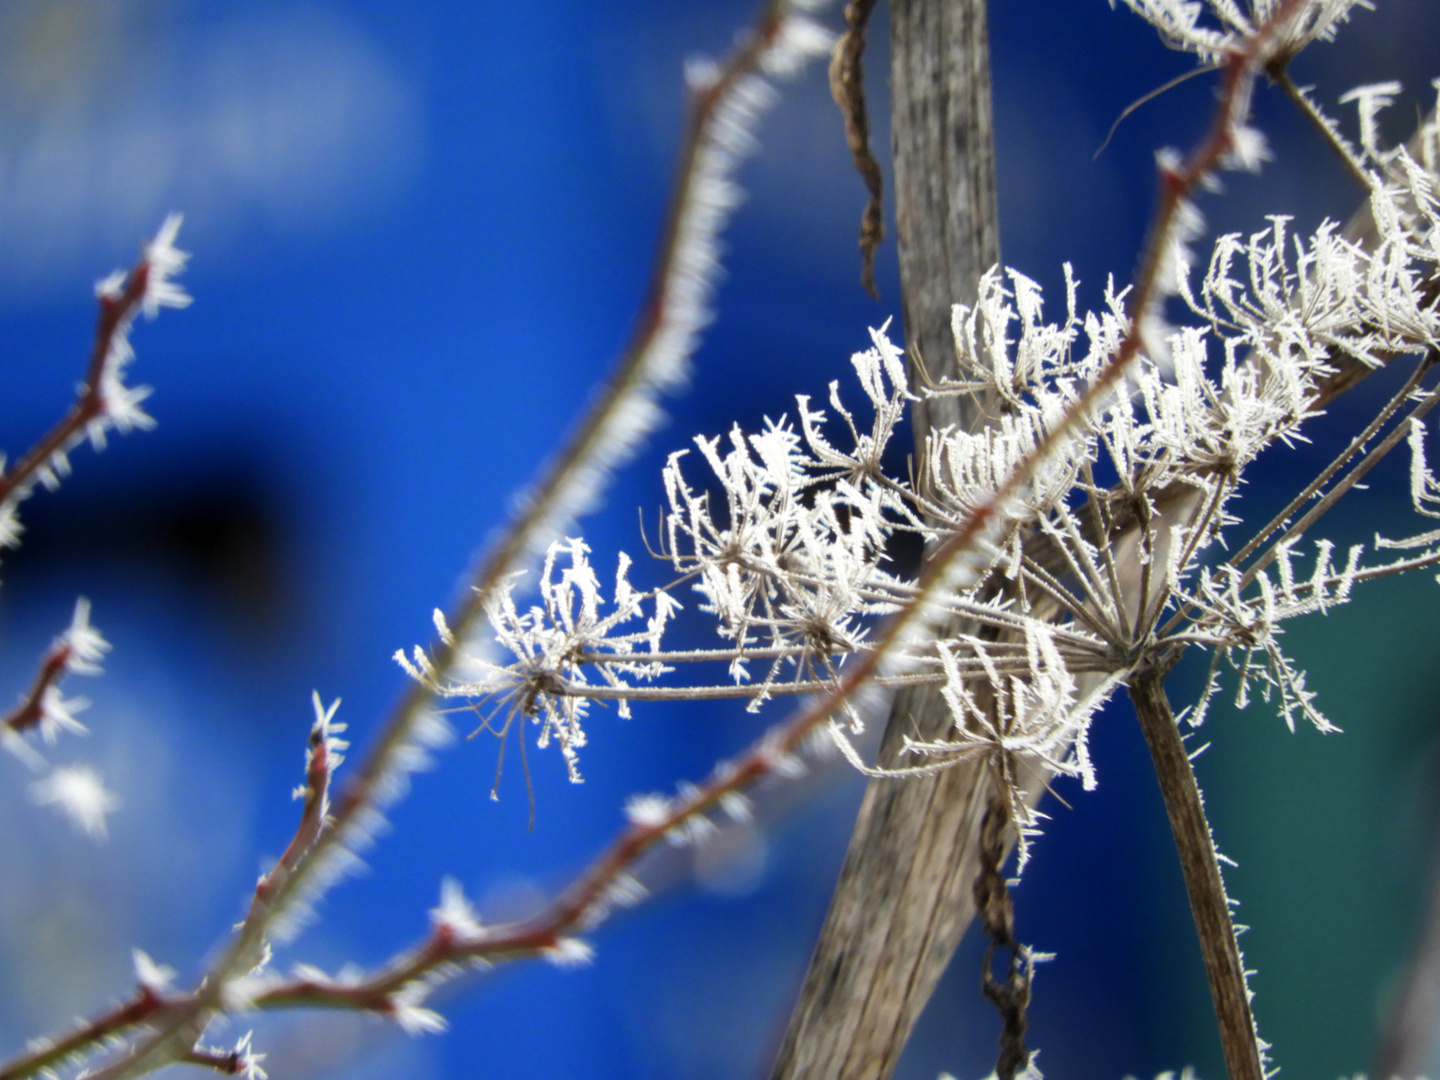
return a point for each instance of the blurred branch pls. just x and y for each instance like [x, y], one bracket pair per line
[725, 101]
[902, 902]
[723, 105]
[102, 402]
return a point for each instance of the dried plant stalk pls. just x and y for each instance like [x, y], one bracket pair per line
[904, 897]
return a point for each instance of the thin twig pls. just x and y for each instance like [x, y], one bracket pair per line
[1036, 573]
[1097, 516]
[115, 315]
[1356, 444]
[1151, 96]
[1331, 497]
[1280, 73]
[847, 86]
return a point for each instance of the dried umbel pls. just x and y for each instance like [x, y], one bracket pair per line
[786, 541]
[1082, 529]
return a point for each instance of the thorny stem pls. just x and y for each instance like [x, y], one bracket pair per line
[142, 1007]
[115, 314]
[1017, 666]
[571, 911]
[1203, 882]
[1401, 566]
[1038, 573]
[721, 655]
[697, 656]
[316, 791]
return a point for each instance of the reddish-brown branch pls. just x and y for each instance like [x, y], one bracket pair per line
[225, 1062]
[568, 913]
[358, 795]
[318, 771]
[145, 1006]
[30, 711]
[117, 309]
[116, 313]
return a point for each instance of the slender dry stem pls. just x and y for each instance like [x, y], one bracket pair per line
[1280, 72]
[1203, 882]
[1355, 446]
[847, 86]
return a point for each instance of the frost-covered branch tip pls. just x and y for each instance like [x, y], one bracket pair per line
[75, 789]
[105, 402]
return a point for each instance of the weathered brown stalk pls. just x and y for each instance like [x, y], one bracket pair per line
[904, 896]
[847, 86]
[1203, 882]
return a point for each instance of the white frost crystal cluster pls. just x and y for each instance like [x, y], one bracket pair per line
[787, 540]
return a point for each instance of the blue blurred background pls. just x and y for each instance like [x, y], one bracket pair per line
[420, 235]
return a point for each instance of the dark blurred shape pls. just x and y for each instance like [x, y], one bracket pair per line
[214, 533]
